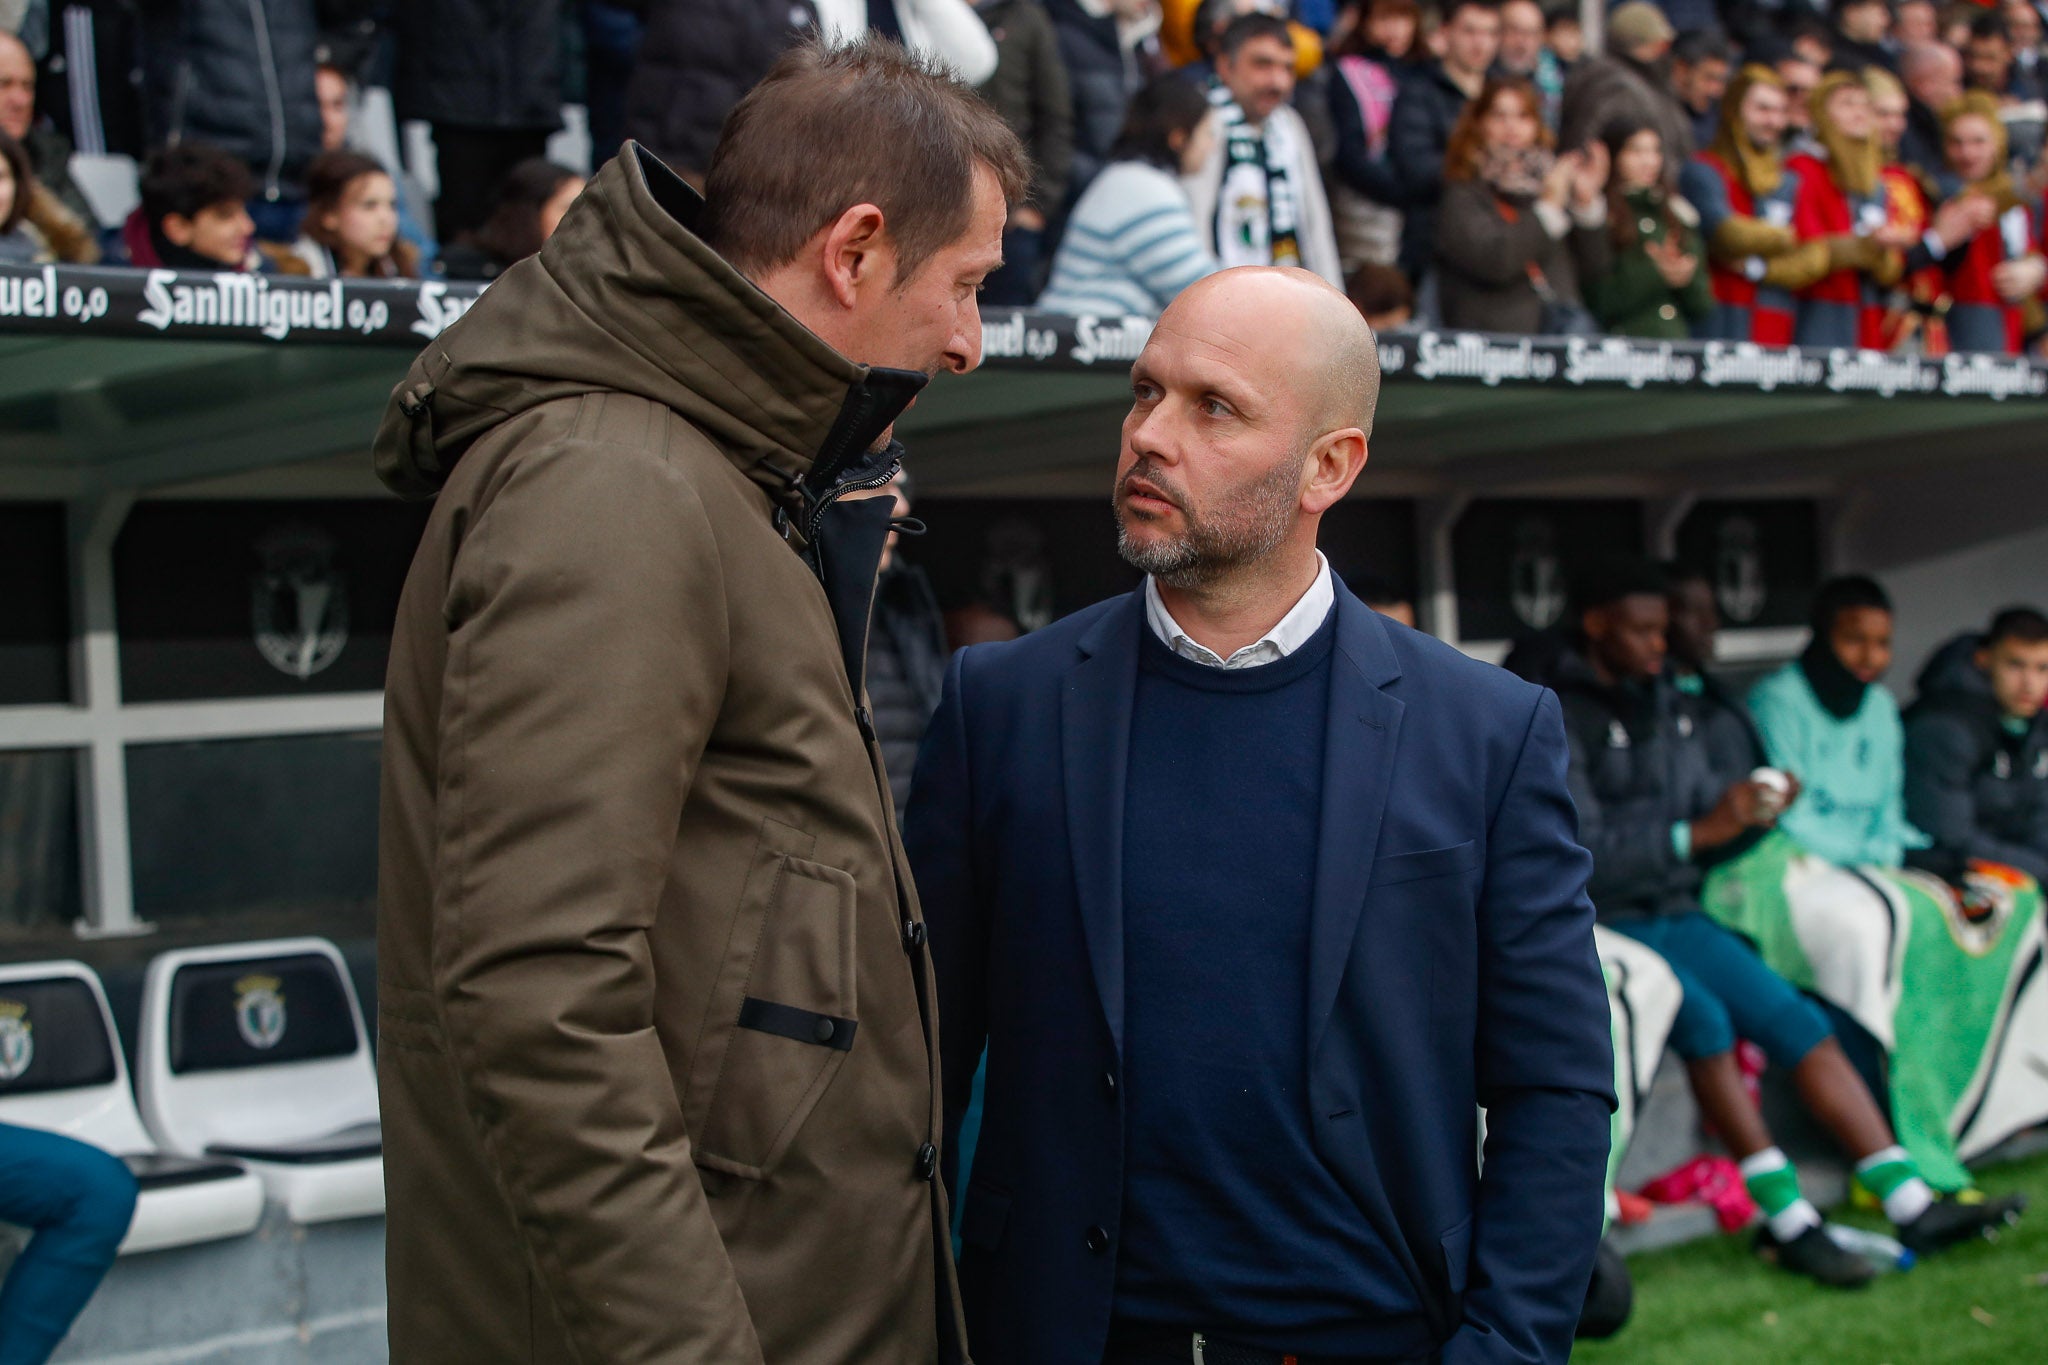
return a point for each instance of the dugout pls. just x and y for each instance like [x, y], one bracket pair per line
[200, 569]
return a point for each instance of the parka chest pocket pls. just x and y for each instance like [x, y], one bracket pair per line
[782, 1016]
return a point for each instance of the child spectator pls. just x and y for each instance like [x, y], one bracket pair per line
[1657, 285]
[1977, 750]
[529, 206]
[195, 215]
[1030, 91]
[351, 225]
[1519, 227]
[1567, 37]
[1132, 243]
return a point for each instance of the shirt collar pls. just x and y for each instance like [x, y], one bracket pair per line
[1291, 633]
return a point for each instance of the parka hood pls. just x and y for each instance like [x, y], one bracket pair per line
[1951, 676]
[625, 297]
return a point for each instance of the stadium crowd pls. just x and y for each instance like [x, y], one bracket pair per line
[1827, 172]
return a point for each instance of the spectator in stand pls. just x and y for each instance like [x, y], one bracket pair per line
[351, 224]
[1628, 83]
[239, 77]
[1524, 55]
[1259, 198]
[529, 205]
[2023, 26]
[1745, 193]
[1656, 283]
[1132, 242]
[1956, 20]
[487, 75]
[1841, 200]
[335, 93]
[1191, 33]
[696, 59]
[34, 227]
[1906, 206]
[1520, 227]
[1701, 62]
[1863, 35]
[1989, 66]
[1365, 188]
[48, 151]
[1567, 38]
[1915, 21]
[195, 216]
[944, 30]
[1933, 76]
[1990, 297]
[1811, 40]
[1977, 750]
[77, 1202]
[1429, 107]
[1801, 77]
[1382, 293]
[1652, 811]
[1111, 49]
[1029, 89]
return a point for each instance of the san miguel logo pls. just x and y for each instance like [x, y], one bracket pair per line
[259, 1011]
[298, 600]
[17, 1040]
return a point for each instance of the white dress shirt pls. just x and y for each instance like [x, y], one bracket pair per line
[1292, 632]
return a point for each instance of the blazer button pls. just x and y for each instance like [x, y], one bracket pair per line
[823, 1030]
[914, 934]
[1109, 1081]
[927, 1161]
[1097, 1240]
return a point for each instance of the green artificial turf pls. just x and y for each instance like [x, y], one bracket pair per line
[1714, 1303]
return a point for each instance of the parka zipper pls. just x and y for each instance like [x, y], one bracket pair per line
[261, 22]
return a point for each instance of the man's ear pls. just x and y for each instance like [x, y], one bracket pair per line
[177, 229]
[856, 252]
[1334, 464]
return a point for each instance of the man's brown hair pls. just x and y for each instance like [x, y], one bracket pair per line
[868, 123]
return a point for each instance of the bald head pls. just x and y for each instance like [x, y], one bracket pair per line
[1304, 336]
[1932, 73]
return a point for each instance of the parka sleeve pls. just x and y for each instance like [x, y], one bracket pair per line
[581, 686]
[1473, 238]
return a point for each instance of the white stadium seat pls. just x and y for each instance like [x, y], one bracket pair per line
[61, 1070]
[256, 1051]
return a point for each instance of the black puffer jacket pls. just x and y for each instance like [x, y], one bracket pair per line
[1418, 136]
[494, 64]
[237, 74]
[697, 57]
[1101, 77]
[1974, 787]
[1639, 766]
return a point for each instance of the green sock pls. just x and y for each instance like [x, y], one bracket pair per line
[1893, 1177]
[1771, 1181]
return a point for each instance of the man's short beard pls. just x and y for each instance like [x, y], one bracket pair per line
[1258, 517]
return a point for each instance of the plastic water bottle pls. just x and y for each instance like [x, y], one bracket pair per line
[1874, 1247]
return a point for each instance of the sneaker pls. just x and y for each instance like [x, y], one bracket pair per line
[1814, 1254]
[1962, 1217]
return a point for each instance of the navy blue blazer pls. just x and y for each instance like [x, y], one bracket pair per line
[1453, 967]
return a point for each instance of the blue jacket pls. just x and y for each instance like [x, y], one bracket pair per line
[1452, 967]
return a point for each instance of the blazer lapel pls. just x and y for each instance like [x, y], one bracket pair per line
[1359, 747]
[1095, 735]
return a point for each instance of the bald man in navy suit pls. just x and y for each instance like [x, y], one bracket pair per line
[1255, 898]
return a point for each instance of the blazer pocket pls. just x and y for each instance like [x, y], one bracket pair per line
[783, 1015]
[1396, 868]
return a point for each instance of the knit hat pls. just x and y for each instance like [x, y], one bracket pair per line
[1637, 23]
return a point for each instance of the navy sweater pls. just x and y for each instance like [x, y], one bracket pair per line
[1231, 1223]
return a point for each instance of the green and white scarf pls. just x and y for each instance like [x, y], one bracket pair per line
[1257, 219]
